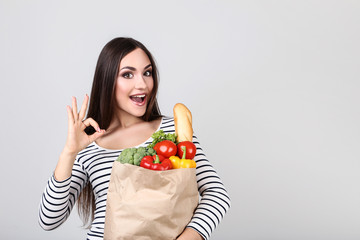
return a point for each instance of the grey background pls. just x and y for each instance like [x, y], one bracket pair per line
[273, 87]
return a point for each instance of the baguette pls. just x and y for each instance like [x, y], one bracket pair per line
[183, 123]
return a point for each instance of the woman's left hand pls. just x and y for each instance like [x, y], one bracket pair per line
[190, 234]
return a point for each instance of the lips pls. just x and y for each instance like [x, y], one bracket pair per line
[138, 99]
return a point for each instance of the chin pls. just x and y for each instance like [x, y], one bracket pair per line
[138, 113]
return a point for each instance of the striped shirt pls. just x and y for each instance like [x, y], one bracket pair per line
[94, 164]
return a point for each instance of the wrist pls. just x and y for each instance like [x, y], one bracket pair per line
[67, 153]
[190, 234]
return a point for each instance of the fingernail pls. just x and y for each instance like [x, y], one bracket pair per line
[98, 129]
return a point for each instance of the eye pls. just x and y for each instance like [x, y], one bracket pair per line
[148, 73]
[127, 75]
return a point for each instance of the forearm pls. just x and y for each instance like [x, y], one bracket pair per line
[214, 202]
[54, 204]
[59, 196]
[64, 166]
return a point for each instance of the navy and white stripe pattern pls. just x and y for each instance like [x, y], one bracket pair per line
[94, 164]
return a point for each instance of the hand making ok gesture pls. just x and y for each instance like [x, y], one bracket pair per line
[77, 139]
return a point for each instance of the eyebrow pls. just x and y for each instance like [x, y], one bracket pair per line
[134, 69]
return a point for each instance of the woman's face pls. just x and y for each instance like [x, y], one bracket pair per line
[134, 83]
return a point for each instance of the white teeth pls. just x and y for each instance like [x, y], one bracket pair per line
[140, 96]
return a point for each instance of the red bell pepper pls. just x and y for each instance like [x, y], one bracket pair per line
[156, 162]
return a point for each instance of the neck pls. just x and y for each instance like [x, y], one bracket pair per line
[124, 120]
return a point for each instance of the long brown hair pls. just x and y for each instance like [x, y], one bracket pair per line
[102, 102]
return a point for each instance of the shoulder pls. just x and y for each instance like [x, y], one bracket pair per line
[167, 119]
[167, 124]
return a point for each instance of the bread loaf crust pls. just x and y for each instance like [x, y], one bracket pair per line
[183, 123]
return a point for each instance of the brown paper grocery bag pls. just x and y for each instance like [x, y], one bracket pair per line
[148, 204]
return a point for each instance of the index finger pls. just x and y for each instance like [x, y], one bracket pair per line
[84, 107]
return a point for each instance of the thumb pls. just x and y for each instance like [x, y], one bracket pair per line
[96, 135]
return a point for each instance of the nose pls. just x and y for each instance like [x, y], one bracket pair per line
[140, 82]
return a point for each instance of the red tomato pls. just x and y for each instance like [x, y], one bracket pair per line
[165, 148]
[190, 149]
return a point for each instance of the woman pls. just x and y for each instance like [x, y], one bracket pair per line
[123, 113]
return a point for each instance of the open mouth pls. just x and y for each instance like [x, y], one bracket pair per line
[138, 99]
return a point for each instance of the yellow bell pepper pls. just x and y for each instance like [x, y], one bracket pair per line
[182, 163]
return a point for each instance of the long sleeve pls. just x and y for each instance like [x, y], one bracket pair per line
[214, 202]
[59, 198]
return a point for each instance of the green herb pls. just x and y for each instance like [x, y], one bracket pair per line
[160, 136]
